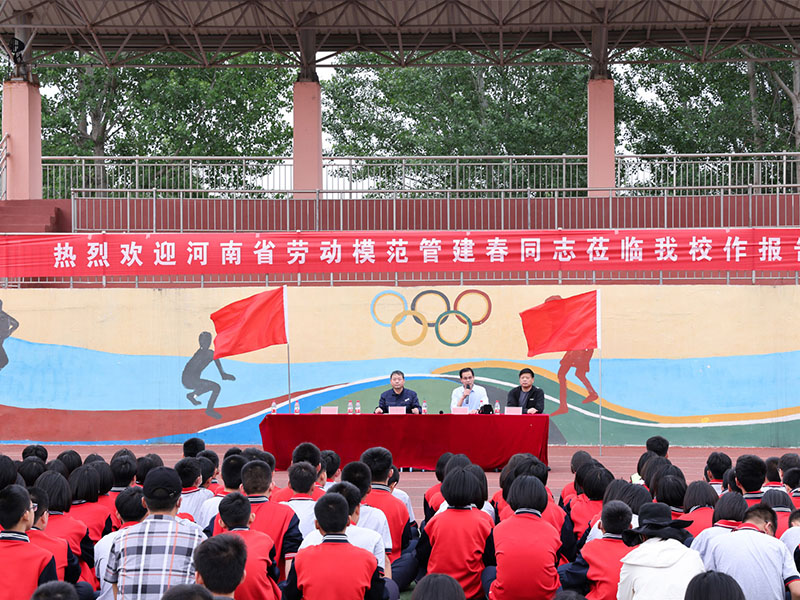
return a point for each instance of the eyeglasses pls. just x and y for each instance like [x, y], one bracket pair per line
[34, 507]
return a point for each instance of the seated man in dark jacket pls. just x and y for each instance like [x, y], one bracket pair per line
[527, 395]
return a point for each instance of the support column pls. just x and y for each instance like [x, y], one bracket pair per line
[22, 123]
[601, 139]
[307, 149]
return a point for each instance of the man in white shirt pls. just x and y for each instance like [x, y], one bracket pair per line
[468, 394]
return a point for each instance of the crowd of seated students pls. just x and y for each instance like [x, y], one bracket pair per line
[135, 528]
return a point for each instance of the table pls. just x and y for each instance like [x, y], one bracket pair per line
[415, 441]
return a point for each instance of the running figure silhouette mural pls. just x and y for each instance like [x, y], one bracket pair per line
[8, 325]
[192, 376]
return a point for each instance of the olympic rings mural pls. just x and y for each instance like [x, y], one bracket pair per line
[422, 320]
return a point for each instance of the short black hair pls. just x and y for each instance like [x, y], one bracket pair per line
[256, 477]
[528, 371]
[658, 444]
[40, 499]
[635, 496]
[530, 465]
[59, 467]
[729, 507]
[596, 482]
[582, 473]
[713, 585]
[729, 482]
[464, 370]
[192, 446]
[235, 511]
[35, 450]
[210, 455]
[8, 471]
[379, 461]
[790, 460]
[456, 461]
[438, 586]
[616, 516]
[124, 452]
[57, 490]
[717, 463]
[104, 474]
[143, 466]
[84, 483]
[30, 468]
[332, 462]
[14, 503]
[307, 452]
[483, 484]
[653, 466]
[643, 458]
[302, 477]
[777, 499]
[359, 475]
[231, 451]
[220, 560]
[93, 457]
[187, 591]
[671, 491]
[699, 493]
[129, 504]
[661, 473]
[253, 453]
[331, 512]
[762, 512]
[71, 459]
[794, 518]
[156, 458]
[791, 477]
[55, 590]
[188, 470]
[394, 477]
[579, 458]
[207, 469]
[396, 372]
[123, 470]
[772, 469]
[751, 471]
[527, 491]
[441, 465]
[231, 471]
[460, 487]
[350, 493]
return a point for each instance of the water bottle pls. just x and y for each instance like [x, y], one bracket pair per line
[424, 407]
[349, 407]
[297, 407]
[497, 407]
[274, 408]
[358, 407]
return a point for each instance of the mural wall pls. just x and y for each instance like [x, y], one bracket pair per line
[702, 365]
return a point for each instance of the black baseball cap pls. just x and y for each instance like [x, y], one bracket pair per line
[162, 483]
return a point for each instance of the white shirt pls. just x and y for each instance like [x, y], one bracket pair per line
[405, 499]
[208, 511]
[101, 551]
[477, 397]
[358, 536]
[192, 503]
[658, 570]
[304, 509]
[373, 518]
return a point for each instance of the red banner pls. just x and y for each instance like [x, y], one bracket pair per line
[122, 254]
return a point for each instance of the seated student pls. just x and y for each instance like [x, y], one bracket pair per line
[790, 460]
[713, 585]
[638, 477]
[751, 472]
[659, 445]
[360, 476]
[63, 526]
[662, 472]
[750, 554]
[580, 475]
[187, 591]
[441, 464]
[456, 461]
[498, 501]
[207, 473]
[214, 485]
[232, 480]
[55, 590]
[71, 459]
[67, 566]
[670, 491]
[359, 536]
[568, 492]
[261, 571]
[301, 481]
[335, 568]
[791, 482]
[305, 452]
[525, 547]
[698, 504]
[482, 500]
[781, 503]
[455, 541]
[332, 468]
[30, 468]
[36, 450]
[192, 496]
[595, 571]
[130, 510]
[437, 586]
[23, 566]
[716, 465]
[661, 566]
[728, 514]
[192, 447]
[652, 467]
[277, 520]
[586, 507]
[729, 482]
[123, 474]
[634, 496]
[220, 564]
[84, 483]
[773, 478]
[401, 557]
[394, 479]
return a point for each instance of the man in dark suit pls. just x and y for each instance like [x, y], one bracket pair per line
[526, 395]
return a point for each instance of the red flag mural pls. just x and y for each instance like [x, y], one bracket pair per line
[563, 324]
[251, 324]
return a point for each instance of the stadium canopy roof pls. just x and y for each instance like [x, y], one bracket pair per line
[308, 33]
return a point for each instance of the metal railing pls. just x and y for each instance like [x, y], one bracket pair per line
[182, 210]
[62, 175]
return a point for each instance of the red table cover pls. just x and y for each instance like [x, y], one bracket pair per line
[414, 440]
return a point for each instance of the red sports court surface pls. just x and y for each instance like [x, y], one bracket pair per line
[620, 460]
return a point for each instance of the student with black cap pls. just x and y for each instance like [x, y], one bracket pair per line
[661, 567]
[150, 557]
